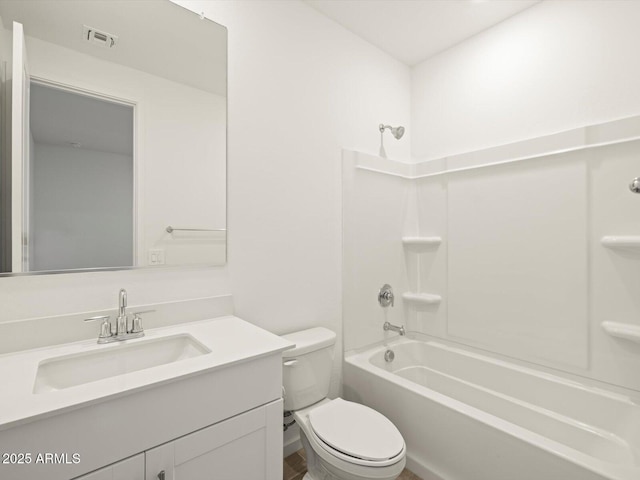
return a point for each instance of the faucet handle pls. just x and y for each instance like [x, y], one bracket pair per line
[136, 323]
[385, 296]
[105, 326]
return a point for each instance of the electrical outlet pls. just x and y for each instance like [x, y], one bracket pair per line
[156, 256]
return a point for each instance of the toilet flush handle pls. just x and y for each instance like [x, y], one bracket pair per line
[290, 363]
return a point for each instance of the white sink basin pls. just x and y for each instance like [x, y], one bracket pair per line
[114, 359]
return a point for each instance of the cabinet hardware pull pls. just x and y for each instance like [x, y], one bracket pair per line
[161, 475]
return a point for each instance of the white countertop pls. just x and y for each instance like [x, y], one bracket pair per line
[230, 339]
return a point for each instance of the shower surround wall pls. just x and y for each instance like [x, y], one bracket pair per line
[521, 268]
[375, 211]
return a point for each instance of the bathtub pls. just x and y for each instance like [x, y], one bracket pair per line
[466, 416]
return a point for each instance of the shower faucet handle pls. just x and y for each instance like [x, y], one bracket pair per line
[385, 296]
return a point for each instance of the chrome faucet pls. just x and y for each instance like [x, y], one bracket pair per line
[122, 330]
[121, 321]
[387, 326]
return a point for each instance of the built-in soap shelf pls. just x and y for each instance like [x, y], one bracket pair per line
[626, 242]
[421, 243]
[421, 298]
[622, 330]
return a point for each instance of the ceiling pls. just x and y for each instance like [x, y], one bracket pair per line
[414, 30]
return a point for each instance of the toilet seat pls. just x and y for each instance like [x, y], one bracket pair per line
[356, 433]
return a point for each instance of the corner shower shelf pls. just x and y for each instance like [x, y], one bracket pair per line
[421, 243]
[627, 242]
[421, 298]
[622, 330]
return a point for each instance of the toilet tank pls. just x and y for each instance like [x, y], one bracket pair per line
[306, 369]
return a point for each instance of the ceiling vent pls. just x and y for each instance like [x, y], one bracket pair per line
[96, 37]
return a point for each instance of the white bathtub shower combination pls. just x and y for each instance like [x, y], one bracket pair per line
[466, 416]
[514, 269]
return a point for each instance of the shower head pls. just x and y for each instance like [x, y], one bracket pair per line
[397, 132]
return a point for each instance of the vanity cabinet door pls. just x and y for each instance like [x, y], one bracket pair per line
[129, 469]
[247, 446]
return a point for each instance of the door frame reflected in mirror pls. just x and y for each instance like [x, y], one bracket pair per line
[108, 134]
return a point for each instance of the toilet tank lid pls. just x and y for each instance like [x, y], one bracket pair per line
[309, 341]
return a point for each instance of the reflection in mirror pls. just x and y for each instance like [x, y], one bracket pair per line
[80, 181]
[113, 130]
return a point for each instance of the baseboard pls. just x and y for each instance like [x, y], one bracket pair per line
[421, 469]
[292, 446]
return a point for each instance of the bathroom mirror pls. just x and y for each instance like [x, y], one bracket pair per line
[113, 136]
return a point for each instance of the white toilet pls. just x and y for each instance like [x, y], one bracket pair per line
[342, 440]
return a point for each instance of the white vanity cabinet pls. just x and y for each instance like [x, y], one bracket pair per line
[129, 469]
[218, 415]
[247, 446]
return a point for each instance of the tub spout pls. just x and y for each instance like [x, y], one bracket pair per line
[387, 326]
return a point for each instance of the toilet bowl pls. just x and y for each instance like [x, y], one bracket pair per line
[342, 440]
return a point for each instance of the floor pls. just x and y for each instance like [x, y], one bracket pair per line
[295, 466]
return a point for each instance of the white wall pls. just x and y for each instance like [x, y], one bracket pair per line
[556, 66]
[300, 88]
[81, 210]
